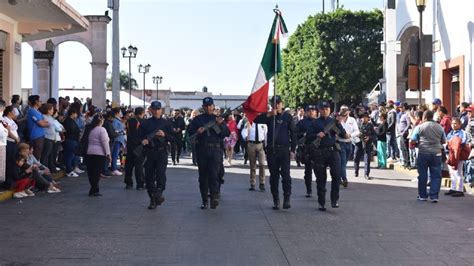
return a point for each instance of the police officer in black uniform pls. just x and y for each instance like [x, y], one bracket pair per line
[134, 161]
[326, 154]
[156, 133]
[178, 126]
[210, 131]
[301, 127]
[281, 146]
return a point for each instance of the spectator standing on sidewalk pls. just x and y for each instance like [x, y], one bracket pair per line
[445, 119]
[364, 148]
[457, 143]
[118, 141]
[403, 126]
[36, 125]
[382, 141]
[72, 134]
[429, 137]
[352, 129]
[392, 149]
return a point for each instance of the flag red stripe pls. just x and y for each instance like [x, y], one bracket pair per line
[257, 102]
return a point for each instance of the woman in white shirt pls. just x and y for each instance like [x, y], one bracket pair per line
[3, 143]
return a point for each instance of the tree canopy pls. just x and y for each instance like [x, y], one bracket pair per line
[123, 82]
[332, 55]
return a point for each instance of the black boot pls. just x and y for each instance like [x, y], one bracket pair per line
[276, 203]
[286, 202]
[252, 188]
[204, 205]
[214, 201]
[152, 205]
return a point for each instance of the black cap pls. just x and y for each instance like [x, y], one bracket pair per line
[155, 105]
[324, 105]
[207, 101]
[310, 107]
[277, 98]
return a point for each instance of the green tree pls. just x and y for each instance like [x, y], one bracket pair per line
[123, 81]
[332, 55]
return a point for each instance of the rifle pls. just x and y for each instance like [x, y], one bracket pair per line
[332, 126]
[138, 151]
[210, 125]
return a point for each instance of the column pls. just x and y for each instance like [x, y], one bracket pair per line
[390, 62]
[41, 86]
[99, 71]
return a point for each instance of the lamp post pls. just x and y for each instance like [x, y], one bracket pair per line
[132, 53]
[144, 69]
[421, 5]
[157, 80]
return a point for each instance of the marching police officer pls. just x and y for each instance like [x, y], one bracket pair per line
[209, 131]
[321, 143]
[156, 133]
[282, 142]
[302, 126]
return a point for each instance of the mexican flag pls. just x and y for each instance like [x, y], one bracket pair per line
[271, 63]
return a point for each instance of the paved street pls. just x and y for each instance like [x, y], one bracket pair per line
[379, 223]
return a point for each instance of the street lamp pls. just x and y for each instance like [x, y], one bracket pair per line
[157, 80]
[132, 53]
[421, 5]
[144, 69]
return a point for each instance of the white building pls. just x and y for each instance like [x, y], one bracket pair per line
[451, 24]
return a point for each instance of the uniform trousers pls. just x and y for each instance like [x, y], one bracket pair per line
[278, 159]
[209, 160]
[308, 176]
[331, 158]
[360, 153]
[134, 162]
[155, 171]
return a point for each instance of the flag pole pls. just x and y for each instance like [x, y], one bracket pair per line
[275, 78]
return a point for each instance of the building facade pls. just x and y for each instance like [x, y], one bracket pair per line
[450, 23]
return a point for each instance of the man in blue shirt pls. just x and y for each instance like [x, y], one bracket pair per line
[36, 124]
[326, 154]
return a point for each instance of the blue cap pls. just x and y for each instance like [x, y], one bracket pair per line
[155, 105]
[437, 101]
[324, 105]
[397, 103]
[207, 101]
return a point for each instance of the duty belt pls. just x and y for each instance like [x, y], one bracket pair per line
[213, 145]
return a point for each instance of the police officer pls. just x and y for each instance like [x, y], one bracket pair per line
[178, 126]
[156, 133]
[325, 153]
[210, 130]
[281, 146]
[302, 126]
[134, 138]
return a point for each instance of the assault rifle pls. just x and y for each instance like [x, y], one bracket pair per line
[210, 125]
[139, 150]
[327, 129]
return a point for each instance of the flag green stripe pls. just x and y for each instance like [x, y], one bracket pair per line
[268, 60]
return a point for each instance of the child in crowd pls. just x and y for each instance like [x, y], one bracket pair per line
[41, 174]
[457, 141]
[22, 177]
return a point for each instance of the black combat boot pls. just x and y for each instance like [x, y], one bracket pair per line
[276, 203]
[152, 205]
[214, 201]
[286, 202]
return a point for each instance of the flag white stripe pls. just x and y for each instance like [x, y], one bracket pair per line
[260, 80]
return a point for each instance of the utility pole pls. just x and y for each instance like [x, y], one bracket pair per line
[114, 5]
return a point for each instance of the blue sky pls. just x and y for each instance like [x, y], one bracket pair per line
[218, 44]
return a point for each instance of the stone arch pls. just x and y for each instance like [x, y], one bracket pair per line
[95, 40]
[402, 59]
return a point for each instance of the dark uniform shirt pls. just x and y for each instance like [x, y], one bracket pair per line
[318, 126]
[134, 136]
[210, 135]
[285, 129]
[154, 124]
[303, 125]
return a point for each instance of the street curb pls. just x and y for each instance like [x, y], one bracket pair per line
[7, 195]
